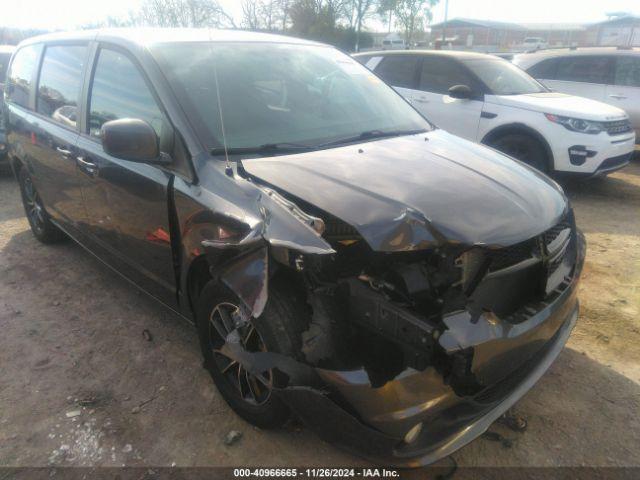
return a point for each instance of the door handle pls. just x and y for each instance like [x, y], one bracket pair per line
[88, 167]
[63, 151]
[421, 100]
[618, 96]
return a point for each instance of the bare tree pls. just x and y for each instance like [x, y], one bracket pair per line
[184, 13]
[413, 15]
[250, 16]
[284, 13]
[268, 15]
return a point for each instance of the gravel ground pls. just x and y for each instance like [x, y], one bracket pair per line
[82, 384]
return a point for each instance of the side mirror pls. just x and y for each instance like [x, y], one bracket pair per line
[462, 92]
[132, 139]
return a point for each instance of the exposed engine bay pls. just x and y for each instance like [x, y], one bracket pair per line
[411, 333]
[384, 311]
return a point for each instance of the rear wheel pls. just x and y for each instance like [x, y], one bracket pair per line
[277, 330]
[524, 148]
[39, 220]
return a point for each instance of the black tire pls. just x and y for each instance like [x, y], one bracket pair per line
[525, 148]
[279, 328]
[39, 220]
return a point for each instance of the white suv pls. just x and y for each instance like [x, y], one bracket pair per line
[606, 74]
[486, 99]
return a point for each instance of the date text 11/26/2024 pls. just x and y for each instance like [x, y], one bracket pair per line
[315, 472]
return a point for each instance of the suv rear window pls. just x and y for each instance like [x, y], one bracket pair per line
[586, 69]
[21, 75]
[627, 71]
[59, 83]
[399, 70]
[545, 69]
[4, 63]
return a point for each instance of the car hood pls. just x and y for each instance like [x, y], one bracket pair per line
[563, 104]
[409, 193]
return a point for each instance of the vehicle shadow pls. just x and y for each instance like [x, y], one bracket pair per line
[9, 198]
[607, 205]
[578, 414]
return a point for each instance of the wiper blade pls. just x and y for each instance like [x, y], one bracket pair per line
[369, 134]
[260, 149]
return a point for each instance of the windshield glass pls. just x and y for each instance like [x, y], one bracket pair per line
[504, 78]
[274, 93]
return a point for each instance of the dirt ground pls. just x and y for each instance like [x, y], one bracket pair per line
[72, 342]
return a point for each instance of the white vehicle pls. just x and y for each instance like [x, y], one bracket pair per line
[534, 43]
[610, 75]
[489, 100]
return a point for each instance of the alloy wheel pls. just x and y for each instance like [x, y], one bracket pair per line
[33, 206]
[253, 389]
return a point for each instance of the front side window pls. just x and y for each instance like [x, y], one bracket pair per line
[21, 75]
[59, 83]
[586, 69]
[503, 78]
[627, 72]
[439, 74]
[119, 91]
[271, 93]
[399, 70]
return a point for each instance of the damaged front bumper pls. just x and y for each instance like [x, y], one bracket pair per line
[373, 421]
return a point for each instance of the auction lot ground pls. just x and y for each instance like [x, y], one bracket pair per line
[72, 339]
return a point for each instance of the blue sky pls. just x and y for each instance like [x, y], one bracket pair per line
[67, 14]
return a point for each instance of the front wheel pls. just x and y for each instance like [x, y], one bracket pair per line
[39, 221]
[524, 148]
[277, 330]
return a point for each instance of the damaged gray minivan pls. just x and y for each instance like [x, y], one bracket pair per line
[396, 287]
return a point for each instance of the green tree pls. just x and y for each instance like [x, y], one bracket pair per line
[413, 16]
[385, 11]
[361, 9]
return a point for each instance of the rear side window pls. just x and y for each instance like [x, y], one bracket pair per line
[627, 72]
[120, 91]
[4, 63]
[586, 69]
[59, 83]
[21, 75]
[399, 70]
[438, 74]
[545, 69]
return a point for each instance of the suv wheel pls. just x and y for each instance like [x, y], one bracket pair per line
[39, 221]
[524, 148]
[278, 330]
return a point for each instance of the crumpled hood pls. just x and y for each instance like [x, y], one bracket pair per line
[563, 104]
[406, 193]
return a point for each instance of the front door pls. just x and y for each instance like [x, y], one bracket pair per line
[127, 202]
[458, 116]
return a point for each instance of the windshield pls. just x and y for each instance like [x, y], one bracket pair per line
[274, 93]
[504, 78]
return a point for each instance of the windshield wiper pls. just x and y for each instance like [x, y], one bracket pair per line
[370, 134]
[263, 149]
